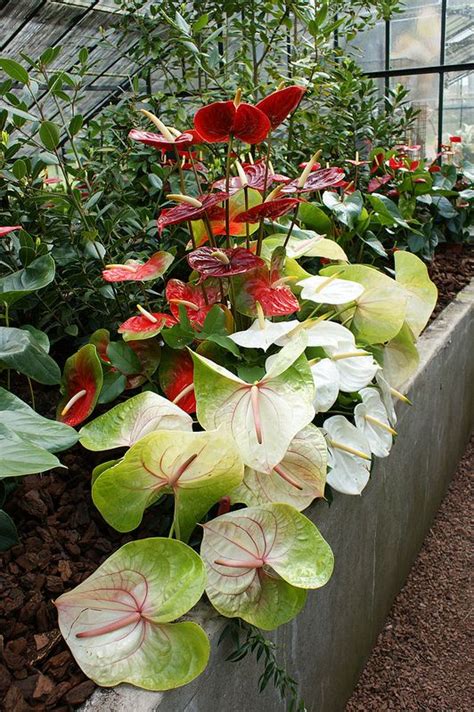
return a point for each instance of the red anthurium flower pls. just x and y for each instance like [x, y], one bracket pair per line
[315, 167]
[5, 230]
[376, 182]
[187, 211]
[145, 326]
[396, 163]
[317, 180]
[136, 271]
[176, 378]
[377, 162]
[81, 385]
[255, 173]
[281, 103]
[271, 209]
[160, 141]
[101, 340]
[261, 285]
[51, 181]
[434, 168]
[222, 119]
[213, 262]
[197, 300]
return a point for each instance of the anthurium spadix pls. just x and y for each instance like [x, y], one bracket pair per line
[349, 455]
[379, 312]
[261, 560]
[128, 422]
[329, 290]
[118, 623]
[297, 480]
[262, 417]
[371, 418]
[197, 468]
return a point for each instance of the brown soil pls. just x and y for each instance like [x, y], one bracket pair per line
[423, 659]
[64, 539]
[451, 270]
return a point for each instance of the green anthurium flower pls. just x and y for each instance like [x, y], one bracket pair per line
[372, 419]
[297, 480]
[378, 313]
[118, 622]
[263, 417]
[197, 468]
[313, 245]
[126, 423]
[400, 357]
[259, 562]
[411, 273]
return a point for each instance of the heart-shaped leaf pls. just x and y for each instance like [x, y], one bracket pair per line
[197, 468]
[259, 562]
[411, 273]
[27, 424]
[263, 417]
[400, 357]
[20, 350]
[128, 422]
[118, 622]
[81, 385]
[297, 480]
[135, 271]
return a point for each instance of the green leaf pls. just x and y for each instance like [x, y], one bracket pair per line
[41, 337]
[17, 415]
[259, 562]
[348, 210]
[123, 357]
[412, 274]
[14, 111]
[37, 275]
[118, 622]
[400, 357]
[386, 210]
[315, 218]
[197, 468]
[75, 125]
[50, 135]
[113, 386]
[20, 351]
[262, 418]
[128, 422]
[8, 532]
[20, 457]
[14, 70]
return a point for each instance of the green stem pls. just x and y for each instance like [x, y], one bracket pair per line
[295, 215]
[227, 182]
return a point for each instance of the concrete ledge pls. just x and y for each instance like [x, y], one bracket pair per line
[375, 539]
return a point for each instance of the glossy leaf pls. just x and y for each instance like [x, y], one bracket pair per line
[197, 468]
[128, 422]
[20, 457]
[299, 479]
[19, 350]
[36, 275]
[259, 561]
[400, 357]
[412, 274]
[118, 622]
[262, 417]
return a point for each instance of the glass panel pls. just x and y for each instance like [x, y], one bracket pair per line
[368, 48]
[458, 114]
[416, 35]
[459, 32]
[424, 90]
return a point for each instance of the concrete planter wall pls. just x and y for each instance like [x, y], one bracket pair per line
[375, 539]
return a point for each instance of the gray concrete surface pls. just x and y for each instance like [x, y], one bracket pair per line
[375, 539]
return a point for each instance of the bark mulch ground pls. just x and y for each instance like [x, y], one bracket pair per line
[451, 270]
[424, 658]
[64, 539]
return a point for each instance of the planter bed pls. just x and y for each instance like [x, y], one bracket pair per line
[375, 539]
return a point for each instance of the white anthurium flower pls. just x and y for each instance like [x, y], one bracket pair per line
[263, 333]
[388, 394]
[322, 333]
[371, 418]
[349, 455]
[356, 367]
[326, 383]
[329, 290]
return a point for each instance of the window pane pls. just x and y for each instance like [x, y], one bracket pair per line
[459, 32]
[416, 35]
[424, 90]
[368, 48]
[458, 114]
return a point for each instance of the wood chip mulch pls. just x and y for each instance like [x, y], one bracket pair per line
[424, 657]
[451, 270]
